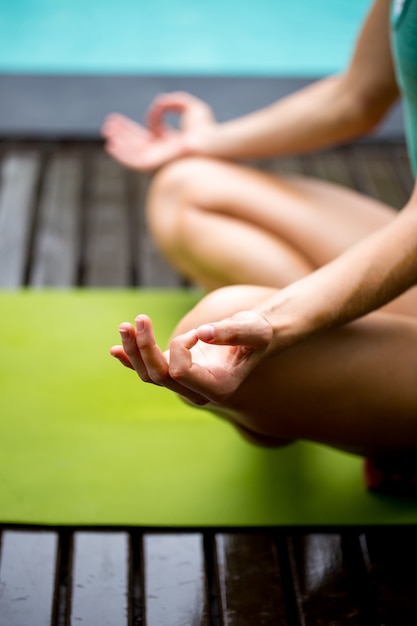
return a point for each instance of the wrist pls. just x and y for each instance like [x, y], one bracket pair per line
[200, 141]
[291, 320]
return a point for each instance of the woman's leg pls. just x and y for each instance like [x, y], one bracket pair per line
[221, 224]
[353, 388]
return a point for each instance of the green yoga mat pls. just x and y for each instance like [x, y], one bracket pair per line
[83, 441]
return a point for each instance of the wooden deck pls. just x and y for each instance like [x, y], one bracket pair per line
[287, 577]
[69, 216]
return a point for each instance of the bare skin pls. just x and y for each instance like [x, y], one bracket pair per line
[374, 358]
[294, 349]
[252, 228]
[220, 223]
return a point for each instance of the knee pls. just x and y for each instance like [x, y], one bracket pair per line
[172, 189]
[172, 180]
[222, 303]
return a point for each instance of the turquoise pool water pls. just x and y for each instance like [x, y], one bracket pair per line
[196, 37]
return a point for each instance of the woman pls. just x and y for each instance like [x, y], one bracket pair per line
[310, 329]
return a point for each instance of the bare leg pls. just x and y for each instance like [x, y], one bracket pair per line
[352, 388]
[222, 224]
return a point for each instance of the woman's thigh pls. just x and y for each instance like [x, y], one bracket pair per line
[316, 217]
[354, 388]
[261, 222]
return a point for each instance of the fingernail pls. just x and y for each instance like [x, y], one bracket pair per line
[206, 332]
[140, 324]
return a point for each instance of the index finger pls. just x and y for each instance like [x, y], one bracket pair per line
[176, 102]
[187, 372]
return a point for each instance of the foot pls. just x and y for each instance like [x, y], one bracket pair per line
[392, 475]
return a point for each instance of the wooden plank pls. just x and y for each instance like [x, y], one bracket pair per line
[107, 257]
[152, 269]
[100, 589]
[376, 175]
[287, 166]
[55, 256]
[136, 192]
[327, 580]
[249, 581]
[331, 165]
[175, 587]
[19, 178]
[391, 557]
[156, 271]
[27, 578]
[398, 155]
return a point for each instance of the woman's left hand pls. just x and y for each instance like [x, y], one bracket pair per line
[204, 365]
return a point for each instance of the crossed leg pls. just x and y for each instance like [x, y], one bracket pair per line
[221, 223]
[353, 388]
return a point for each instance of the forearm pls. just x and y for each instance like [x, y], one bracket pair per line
[361, 280]
[330, 111]
[324, 113]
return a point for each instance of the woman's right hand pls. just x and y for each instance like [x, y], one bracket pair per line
[148, 148]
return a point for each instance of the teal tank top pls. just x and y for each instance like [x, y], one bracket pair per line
[404, 44]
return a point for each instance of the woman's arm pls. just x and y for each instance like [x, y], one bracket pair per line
[364, 278]
[329, 111]
[209, 363]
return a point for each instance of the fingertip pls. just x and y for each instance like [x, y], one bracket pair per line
[126, 332]
[186, 340]
[141, 322]
[206, 332]
[108, 121]
[142, 316]
[118, 353]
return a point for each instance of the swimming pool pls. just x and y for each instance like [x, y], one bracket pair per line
[191, 37]
[65, 64]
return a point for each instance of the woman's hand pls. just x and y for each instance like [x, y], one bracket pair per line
[193, 112]
[148, 148]
[204, 365]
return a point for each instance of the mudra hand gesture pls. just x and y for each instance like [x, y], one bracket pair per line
[203, 365]
[149, 147]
